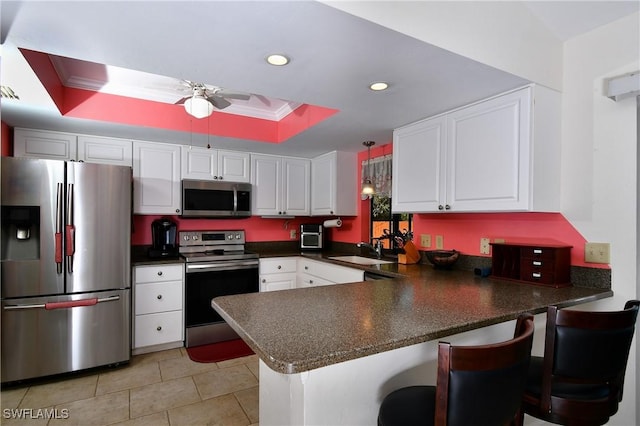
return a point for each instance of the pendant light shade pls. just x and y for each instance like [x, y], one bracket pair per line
[198, 106]
[367, 186]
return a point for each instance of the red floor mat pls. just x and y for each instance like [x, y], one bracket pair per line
[221, 351]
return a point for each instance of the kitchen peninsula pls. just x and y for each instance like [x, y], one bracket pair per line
[329, 354]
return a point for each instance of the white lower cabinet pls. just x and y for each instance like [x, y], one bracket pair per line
[158, 307]
[282, 273]
[314, 273]
[278, 273]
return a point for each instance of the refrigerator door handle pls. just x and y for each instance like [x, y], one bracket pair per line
[70, 231]
[63, 305]
[59, 222]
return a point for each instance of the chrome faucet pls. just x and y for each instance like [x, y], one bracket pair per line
[377, 246]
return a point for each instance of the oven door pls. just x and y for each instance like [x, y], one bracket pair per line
[207, 280]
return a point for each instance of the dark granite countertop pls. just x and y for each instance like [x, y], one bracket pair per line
[302, 329]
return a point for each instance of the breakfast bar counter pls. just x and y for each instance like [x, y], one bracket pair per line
[329, 354]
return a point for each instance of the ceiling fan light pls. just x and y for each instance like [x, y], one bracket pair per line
[198, 107]
[277, 60]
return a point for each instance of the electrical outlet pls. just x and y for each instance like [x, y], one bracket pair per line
[485, 248]
[292, 234]
[439, 242]
[597, 252]
[425, 240]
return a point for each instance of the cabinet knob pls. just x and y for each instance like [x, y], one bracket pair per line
[220, 177]
[159, 328]
[440, 207]
[264, 280]
[310, 281]
[279, 266]
[215, 178]
[159, 273]
[159, 297]
[177, 210]
[331, 212]
[306, 268]
[447, 207]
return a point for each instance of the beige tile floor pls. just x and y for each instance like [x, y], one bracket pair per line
[161, 388]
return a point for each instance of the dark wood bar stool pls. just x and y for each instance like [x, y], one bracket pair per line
[580, 378]
[476, 385]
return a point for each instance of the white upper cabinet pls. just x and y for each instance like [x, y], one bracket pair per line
[280, 185]
[70, 147]
[334, 184]
[93, 149]
[214, 164]
[44, 144]
[482, 157]
[156, 177]
[419, 172]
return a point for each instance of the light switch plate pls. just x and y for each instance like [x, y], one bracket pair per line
[439, 242]
[597, 252]
[425, 240]
[292, 234]
[485, 248]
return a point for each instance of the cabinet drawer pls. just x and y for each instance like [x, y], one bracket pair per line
[155, 329]
[158, 297]
[539, 275]
[278, 265]
[333, 273]
[538, 253]
[146, 274]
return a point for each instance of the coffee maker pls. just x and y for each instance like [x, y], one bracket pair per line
[163, 237]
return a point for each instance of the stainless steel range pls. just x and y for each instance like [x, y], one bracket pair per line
[216, 265]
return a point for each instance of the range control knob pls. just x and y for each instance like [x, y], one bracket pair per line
[186, 238]
[238, 236]
[229, 237]
[195, 238]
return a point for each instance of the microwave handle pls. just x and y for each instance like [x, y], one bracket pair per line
[235, 199]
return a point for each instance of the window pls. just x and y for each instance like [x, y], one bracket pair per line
[383, 222]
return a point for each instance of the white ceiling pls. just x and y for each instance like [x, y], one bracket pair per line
[334, 57]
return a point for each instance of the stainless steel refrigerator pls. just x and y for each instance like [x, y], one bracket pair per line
[65, 253]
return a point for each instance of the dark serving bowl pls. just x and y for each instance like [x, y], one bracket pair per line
[443, 259]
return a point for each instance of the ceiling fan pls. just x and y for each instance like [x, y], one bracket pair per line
[204, 98]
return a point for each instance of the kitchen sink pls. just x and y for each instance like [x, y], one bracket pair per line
[360, 260]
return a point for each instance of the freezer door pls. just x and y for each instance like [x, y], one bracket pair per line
[32, 210]
[97, 227]
[46, 336]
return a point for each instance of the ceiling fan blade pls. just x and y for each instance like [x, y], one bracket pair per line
[234, 95]
[218, 102]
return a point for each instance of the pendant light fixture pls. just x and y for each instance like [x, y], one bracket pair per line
[367, 185]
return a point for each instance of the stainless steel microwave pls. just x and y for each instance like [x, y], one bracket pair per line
[215, 199]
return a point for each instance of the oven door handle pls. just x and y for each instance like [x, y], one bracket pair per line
[226, 266]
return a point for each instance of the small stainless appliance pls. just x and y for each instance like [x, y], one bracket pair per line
[163, 239]
[66, 241]
[216, 265]
[311, 237]
[217, 199]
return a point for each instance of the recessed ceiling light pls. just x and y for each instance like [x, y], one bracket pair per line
[277, 60]
[378, 85]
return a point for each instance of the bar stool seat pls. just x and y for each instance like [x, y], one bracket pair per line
[480, 385]
[581, 376]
